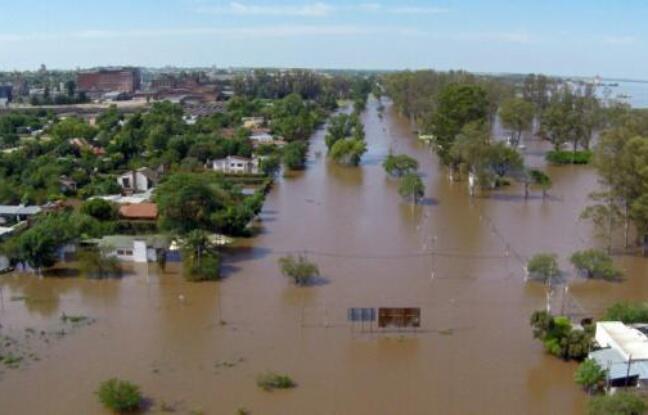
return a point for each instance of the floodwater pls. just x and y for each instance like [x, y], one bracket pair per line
[200, 346]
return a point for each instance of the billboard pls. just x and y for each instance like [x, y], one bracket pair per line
[399, 317]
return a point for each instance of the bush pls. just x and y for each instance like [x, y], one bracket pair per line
[621, 403]
[99, 209]
[119, 395]
[628, 313]
[399, 164]
[543, 267]
[569, 157]
[590, 376]
[269, 381]
[299, 269]
[559, 338]
[595, 264]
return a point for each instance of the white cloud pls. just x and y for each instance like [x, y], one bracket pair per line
[318, 9]
[243, 9]
[619, 40]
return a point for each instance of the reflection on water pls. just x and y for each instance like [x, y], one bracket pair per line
[459, 259]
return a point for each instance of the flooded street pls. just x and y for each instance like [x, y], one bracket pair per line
[459, 259]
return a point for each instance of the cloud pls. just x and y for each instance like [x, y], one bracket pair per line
[242, 9]
[252, 31]
[318, 9]
[619, 40]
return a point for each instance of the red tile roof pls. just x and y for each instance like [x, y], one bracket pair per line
[139, 211]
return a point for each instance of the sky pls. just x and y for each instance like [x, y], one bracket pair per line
[567, 37]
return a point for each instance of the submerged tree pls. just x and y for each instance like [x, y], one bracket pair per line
[543, 267]
[590, 376]
[399, 164]
[595, 264]
[299, 269]
[95, 263]
[620, 403]
[201, 260]
[517, 117]
[411, 187]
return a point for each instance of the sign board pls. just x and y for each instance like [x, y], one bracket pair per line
[361, 314]
[399, 317]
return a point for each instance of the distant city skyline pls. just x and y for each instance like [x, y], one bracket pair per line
[575, 39]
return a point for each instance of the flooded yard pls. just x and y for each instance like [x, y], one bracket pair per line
[200, 346]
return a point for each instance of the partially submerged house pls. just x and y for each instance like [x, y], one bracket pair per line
[236, 165]
[139, 180]
[129, 248]
[622, 352]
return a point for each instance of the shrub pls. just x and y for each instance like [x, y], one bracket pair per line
[559, 338]
[411, 187]
[590, 376]
[543, 267]
[299, 269]
[628, 313]
[595, 264]
[569, 157]
[399, 164]
[621, 403]
[119, 395]
[269, 381]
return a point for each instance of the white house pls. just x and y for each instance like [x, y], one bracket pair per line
[622, 352]
[131, 248]
[236, 165]
[262, 137]
[139, 180]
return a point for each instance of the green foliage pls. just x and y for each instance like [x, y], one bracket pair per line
[119, 395]
[569, 157]
[200, 258]
[99, 209]
[543, 267]
[517, 116]
[458, 105]
[95, 264]
[595, 264]
[541, 180]
[344, 126]
[399, 164]
[590, 376]
[294, 154]
[411, 187]
[299, 269]
[269, 381]
[628, 313]
[559, 338]
[620, 403]
[348, 151]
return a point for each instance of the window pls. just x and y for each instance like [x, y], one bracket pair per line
[125, 252]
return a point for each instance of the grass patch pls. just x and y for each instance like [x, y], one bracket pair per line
[11, 360]
[270, 381]
[120, 395]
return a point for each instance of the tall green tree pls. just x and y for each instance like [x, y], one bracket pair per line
[516, 115]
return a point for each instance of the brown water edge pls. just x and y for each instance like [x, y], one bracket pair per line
[474, 354]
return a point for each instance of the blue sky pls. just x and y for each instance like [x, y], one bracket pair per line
[568, 37]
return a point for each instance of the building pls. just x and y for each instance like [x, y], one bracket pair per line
[139, 180]
[17, 213]
[127, 80]
[6, 95]
[261, 136]
[236, 165]
[140, 249]
[622, 352]
[145, 211]
[252, 122]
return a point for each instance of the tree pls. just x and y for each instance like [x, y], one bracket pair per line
[294, 155]
[502, 159]
[99, 209]
[348, 151]
[543, 267]
[399, 164]
[120, 395]
[94, 263]
[200, 258]
[270, 165]
[606, 215]
[628, 313]
[594, 264]
[620, 403]
[590, 376]
[299, 269]
[516, 115]
[458, 105]
[411, 187]
[186, 202]
[558, 336]
[541, 180]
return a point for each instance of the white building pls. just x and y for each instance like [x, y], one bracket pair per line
[262, 137]
[131, 248]
[139, 180]
[236, 165]
[622, 352]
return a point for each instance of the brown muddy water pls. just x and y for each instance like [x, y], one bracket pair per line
[457, 258]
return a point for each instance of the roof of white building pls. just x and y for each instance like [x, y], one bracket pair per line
[617, 366]
[626, 339]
